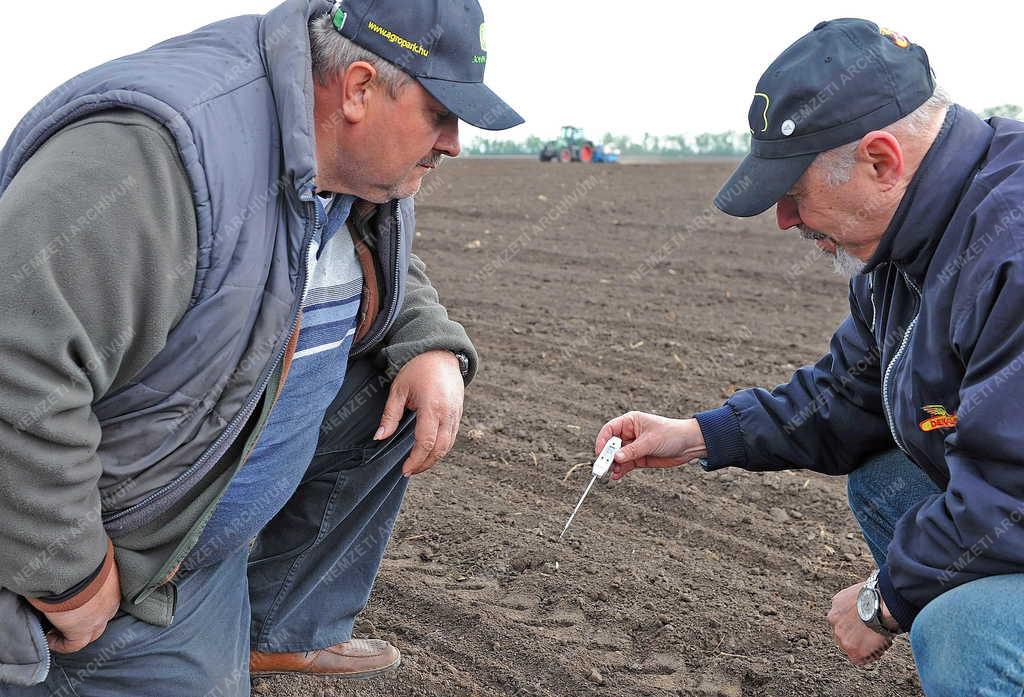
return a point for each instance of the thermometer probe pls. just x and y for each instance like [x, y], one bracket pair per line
[602, 464]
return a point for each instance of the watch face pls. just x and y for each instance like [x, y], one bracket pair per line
[867, 605]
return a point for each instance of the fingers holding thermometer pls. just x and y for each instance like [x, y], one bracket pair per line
[651, 441]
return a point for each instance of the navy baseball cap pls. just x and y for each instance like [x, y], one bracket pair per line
[442, 44]
[836, 84]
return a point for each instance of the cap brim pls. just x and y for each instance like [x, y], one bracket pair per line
[473, 102]
[758, 184]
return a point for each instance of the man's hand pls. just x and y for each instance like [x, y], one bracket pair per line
[859, 642]
[651, 441]
[76, 629]
[431, 385]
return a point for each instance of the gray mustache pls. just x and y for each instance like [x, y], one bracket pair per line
[809, 234]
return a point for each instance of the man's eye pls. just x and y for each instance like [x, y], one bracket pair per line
[442, 116]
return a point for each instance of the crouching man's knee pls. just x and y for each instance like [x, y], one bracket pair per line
[969, 642]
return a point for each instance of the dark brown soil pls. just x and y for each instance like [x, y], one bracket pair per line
[634, 294]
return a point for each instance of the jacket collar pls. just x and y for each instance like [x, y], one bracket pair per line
[934, 193]
[284, 40]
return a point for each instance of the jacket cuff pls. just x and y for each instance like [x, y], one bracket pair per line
[722, 438]
[78, 598]
[902, 611]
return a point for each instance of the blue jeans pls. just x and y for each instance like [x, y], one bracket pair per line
[969, 641]
[298, 588]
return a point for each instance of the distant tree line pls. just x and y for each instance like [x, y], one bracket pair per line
[724, 144]
[1010, 111]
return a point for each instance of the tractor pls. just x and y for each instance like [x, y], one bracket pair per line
[573, 147]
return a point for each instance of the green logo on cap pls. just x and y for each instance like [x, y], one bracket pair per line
[339, 17]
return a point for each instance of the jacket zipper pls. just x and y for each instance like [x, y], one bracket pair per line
[871, 294]
[231, 432]
[397, 271]
[886, 382]
[37, 629]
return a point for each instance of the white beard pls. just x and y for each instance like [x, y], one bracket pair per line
[843, 263]
[847, 265]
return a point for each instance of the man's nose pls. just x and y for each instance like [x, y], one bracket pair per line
[448, 142]
[786, 213]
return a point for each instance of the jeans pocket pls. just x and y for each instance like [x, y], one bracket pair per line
[59, 683]
[401, 439]
[354, 415]
[361, 471]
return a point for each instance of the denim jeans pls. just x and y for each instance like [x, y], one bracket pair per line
[298, 587]
[969, 641]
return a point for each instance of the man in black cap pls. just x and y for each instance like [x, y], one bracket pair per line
[919, 398]
[222, 362]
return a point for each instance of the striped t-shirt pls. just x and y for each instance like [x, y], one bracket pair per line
[279, 460]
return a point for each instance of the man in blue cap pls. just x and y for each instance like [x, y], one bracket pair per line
[918, 400]
[222, 362]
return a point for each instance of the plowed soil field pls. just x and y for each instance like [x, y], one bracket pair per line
[591, 290]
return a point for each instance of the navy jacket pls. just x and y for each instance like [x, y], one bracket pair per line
[931, 357]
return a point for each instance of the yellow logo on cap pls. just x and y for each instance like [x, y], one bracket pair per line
[895, 37]
[483, 37]
[394, 38]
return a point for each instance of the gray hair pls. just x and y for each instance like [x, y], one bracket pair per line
[333, 53]
[838, 163]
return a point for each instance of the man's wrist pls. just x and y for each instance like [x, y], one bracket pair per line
[82, 592]
[459, 358]
[888, 621]
[699, 450]
[896, 605]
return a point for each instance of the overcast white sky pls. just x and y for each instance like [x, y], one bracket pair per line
[662, 67]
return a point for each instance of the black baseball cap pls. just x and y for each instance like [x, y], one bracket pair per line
[442, 44]
[836, 84]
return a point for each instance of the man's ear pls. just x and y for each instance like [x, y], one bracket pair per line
[882, 151]
[356, 85]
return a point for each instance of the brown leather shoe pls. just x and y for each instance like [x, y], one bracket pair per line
[358, 659]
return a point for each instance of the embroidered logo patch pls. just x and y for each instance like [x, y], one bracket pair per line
[895, 37]
[339, 16]
[940, 418]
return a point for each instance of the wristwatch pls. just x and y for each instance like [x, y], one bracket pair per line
[463, 363]
[869, 606]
